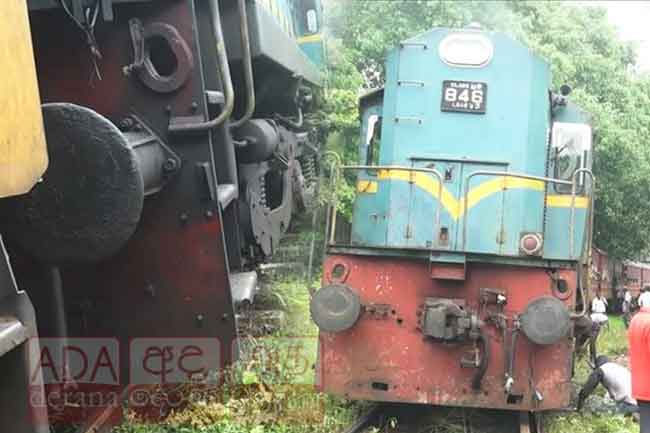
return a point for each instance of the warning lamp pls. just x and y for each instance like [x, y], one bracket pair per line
[531, 243]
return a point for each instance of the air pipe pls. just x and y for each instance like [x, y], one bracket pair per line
[224, 70]
[510, 380]
[581, 289]
[248, 66]
[483, 365]
[290, 123]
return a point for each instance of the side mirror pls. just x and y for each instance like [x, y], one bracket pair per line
[312, 21]
[565, 90]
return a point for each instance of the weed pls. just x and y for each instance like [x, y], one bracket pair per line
[264, 394]
[590, 423]
[612, 342]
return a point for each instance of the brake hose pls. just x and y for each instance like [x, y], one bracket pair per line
[483, 365]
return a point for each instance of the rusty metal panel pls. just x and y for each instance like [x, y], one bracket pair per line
[388, 359]
[23, 154]
[448, 271]
[171, 279]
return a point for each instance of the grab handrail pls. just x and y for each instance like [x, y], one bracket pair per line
[590, 218]
[573, 184]
[337, 169]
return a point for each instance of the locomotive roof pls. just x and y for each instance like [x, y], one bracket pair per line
[370, 96]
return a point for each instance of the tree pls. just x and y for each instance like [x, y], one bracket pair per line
[583, 51]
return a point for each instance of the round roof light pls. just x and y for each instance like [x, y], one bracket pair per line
[470, 50]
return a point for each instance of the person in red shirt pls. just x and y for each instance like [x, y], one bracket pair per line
[639, 339]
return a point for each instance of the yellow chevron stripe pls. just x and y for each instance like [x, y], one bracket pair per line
[500, 183]
[367, 186]
[456, 207]
[316, 37]
[428, 183]
[565, 201]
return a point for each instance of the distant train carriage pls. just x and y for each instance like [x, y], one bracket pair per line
[471, 228]
[610, 277]
[604, 279]
[635, 276]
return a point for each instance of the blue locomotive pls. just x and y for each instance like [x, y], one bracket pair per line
[461, 276]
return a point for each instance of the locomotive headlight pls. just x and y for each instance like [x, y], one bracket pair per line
[335, 308]
[545, 321]
[472, 50]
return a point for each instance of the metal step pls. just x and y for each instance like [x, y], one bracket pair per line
[12, 334]
[215, 97]
[226, 193]
[243, 287]
[447, 266]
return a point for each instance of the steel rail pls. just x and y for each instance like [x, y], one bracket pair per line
[365, 420]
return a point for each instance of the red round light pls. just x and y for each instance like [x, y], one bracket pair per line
[531, 243]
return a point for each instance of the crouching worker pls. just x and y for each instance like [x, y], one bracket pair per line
[616, 379]
[639, 342]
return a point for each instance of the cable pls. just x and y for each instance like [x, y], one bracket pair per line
[89, 31]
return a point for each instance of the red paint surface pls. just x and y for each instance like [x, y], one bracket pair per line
[393, 351]
[173, 270]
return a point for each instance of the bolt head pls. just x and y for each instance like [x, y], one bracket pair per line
[126, 124]
[170, 165]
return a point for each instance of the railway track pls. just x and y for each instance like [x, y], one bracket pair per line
[410, 418]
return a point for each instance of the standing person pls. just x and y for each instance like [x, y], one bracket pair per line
[599, 309]
[644, 298]
[626, 306]
[639, 341]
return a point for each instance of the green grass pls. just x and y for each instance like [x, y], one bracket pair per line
[612, 342]
[591, 423]
[613, 339]
[268, 396]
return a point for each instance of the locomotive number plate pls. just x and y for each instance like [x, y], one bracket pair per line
[464, 96]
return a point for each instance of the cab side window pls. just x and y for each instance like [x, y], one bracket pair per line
[570, 151]
[373, 140]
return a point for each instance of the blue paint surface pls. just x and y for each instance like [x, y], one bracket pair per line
[511, 136]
